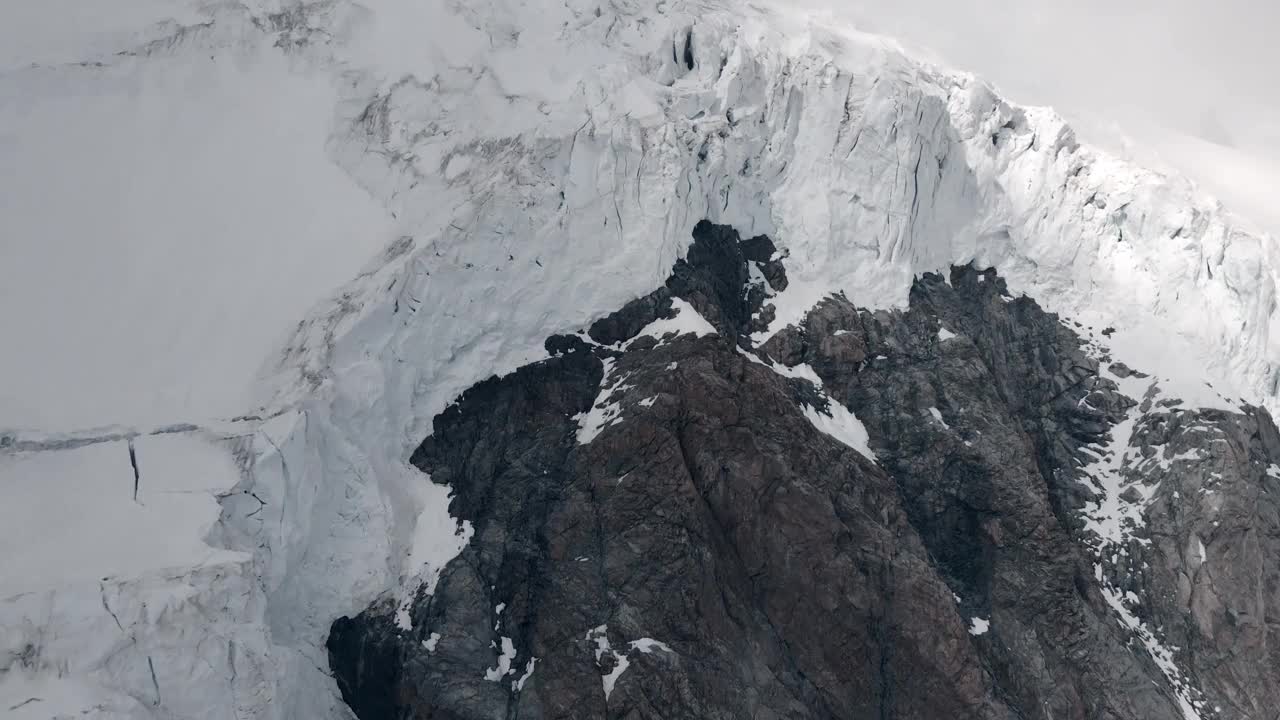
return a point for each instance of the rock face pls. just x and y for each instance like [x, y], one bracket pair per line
[953, 511]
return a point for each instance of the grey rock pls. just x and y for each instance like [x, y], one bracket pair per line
[770, 571]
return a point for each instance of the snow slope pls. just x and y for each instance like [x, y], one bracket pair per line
[481, 174]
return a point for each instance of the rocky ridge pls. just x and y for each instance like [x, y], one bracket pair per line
[871, 514]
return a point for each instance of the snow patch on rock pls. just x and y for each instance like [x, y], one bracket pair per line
[835, 419]
[1189, 699]
[648, 645]
[840, 423]
[1120, 511]
[686, 321]
[508, 654]
[600, 637]
[604, 411]
[518, 684]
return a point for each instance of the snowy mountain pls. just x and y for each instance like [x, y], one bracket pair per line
[253, 252]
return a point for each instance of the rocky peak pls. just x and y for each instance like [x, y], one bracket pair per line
[871, 514]
[725, 279]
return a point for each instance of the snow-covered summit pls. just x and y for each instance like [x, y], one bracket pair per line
[461, 180]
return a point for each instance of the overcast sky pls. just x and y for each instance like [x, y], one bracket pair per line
[1187, 64]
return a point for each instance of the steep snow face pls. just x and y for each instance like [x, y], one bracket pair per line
[870, 167]
[485, 174]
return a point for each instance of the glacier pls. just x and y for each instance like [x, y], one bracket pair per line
[254, 247]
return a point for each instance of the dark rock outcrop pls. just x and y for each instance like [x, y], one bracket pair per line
[662, 529]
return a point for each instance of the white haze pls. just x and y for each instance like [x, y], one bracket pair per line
[1202, 68]
[1176, 84]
